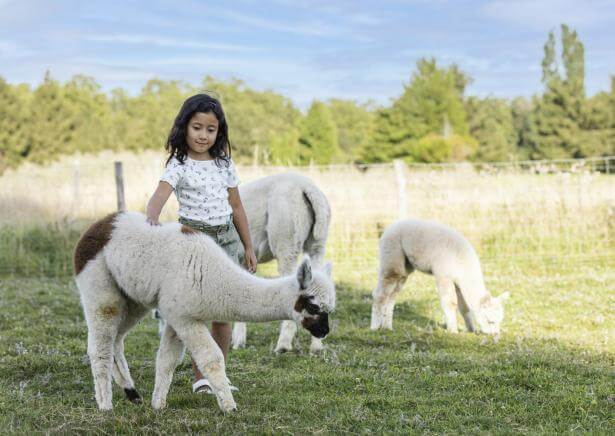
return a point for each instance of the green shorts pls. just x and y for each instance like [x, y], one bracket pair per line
[225, 235]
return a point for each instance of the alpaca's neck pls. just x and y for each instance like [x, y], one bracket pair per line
[258, 300]
[473, 291]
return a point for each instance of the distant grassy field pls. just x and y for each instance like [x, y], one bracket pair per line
[545, 237]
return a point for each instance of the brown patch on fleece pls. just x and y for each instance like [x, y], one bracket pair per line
[188, 230]
[108, 312]
[92, 241]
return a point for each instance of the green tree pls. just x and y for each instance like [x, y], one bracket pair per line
[354, 123]
[264, 123]
[90, 115]
[51, 123]
[150, 115]
[521, 110]
[491, 124]
[556, 122]
[318, 139]
[598, 123]
[432, 104]
[13, 124]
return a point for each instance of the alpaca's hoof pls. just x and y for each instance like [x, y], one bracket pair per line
[280, 349]
[227, 405]
[238, 345]
[158, 404]
[316, 347]
[133, 396]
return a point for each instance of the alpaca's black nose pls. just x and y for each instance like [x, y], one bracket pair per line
[324, 331]
[321, 328]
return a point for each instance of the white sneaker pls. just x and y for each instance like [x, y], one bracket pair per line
[202, 386]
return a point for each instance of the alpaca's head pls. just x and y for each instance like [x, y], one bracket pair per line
[316, 298]
[491, 314]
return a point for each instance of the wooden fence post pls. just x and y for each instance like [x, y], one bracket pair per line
[400, 177]
[119, 186]
[76, 177]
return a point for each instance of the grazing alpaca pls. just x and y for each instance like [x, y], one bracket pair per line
[435, 249]
[288, 215]
[125, 267]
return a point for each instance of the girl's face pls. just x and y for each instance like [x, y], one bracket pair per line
[201, 135]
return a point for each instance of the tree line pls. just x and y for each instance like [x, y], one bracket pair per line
[431, 121]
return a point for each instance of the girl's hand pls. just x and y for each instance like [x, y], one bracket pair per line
[250, 259]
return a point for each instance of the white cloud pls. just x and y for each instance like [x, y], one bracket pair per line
[547, 14]
[311, 28]
[9, 49]
[167, 42]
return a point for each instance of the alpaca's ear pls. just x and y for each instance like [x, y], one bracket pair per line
[504, 296]
[304, 273]
[329, 269]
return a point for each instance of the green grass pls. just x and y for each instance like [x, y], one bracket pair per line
[552, 372]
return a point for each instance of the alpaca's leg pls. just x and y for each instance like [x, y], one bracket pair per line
[387, 322]
[383, 305]
[121, 372]
[161, 322]
[104, 307]
[317, 256]
[448, 302]
[465, 310]
[240, 332]
[103, 323]
[100, 349]
[316, 345]
[208, 357]
[288, 330]
[287, 261]
[379, 297]
[169, 356]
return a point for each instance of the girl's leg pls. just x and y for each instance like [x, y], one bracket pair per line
[222, 331]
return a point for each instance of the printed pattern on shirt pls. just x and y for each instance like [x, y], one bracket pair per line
[201, 188]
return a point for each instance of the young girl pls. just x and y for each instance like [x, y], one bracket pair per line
[200, 171]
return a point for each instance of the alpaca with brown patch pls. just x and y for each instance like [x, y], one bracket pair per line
[441, 251]
[124, 267]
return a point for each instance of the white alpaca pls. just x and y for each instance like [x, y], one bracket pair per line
[288, 215]
[125, 267]
[435, 249]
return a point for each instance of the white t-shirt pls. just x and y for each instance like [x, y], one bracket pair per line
[201, 188]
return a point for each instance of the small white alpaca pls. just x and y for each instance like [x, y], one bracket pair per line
[288, 215]
[439, 250]
[124, 267]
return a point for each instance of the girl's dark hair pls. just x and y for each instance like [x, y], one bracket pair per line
[176, 143]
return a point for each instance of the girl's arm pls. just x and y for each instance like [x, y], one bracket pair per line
[158, 200]
[241, 223]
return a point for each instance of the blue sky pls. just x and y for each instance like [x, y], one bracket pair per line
[302, 49]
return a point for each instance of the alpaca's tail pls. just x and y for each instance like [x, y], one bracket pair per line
[322, 216]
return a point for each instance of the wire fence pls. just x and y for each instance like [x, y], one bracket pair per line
[539, 213]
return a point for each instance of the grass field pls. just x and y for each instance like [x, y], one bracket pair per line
[546, 238]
